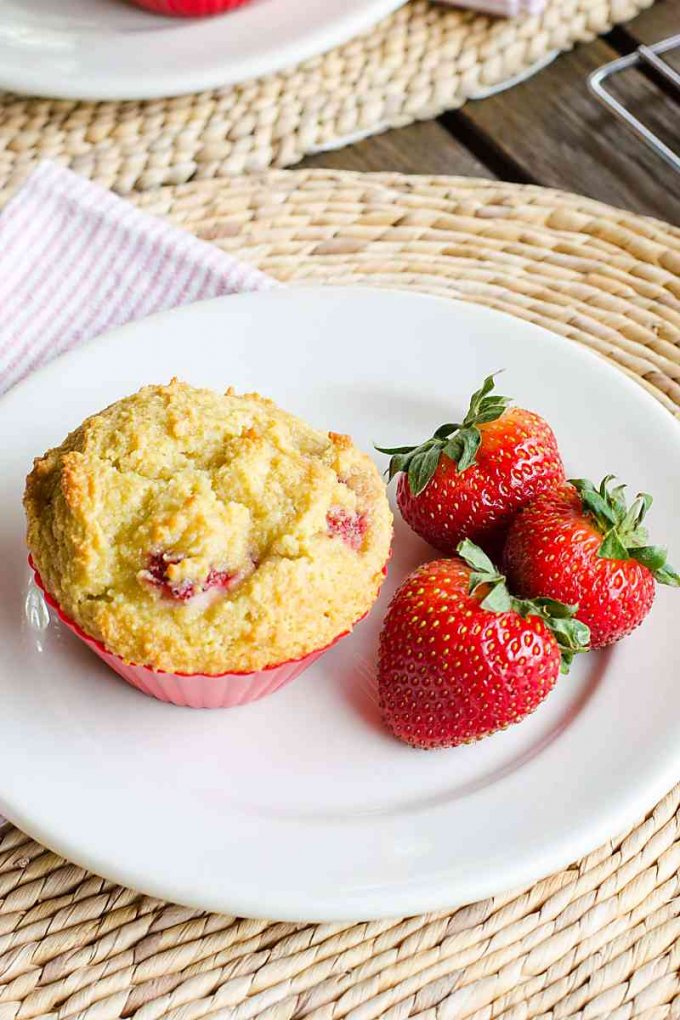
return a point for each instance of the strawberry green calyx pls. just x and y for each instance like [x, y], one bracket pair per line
[459, 441]
[498, 598]
[624, 535]
[572, 635]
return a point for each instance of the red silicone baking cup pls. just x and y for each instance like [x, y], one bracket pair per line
[189, 8]
[194, 690]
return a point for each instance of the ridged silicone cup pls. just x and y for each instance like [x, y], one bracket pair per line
[189, 8]
[193, 690]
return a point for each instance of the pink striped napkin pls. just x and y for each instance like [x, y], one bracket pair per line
[502, 8]
[76, 260]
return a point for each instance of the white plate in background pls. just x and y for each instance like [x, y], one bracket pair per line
[302, 806]
[109, 49]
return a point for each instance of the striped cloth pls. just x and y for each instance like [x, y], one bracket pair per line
[76, 261]
[501, 8]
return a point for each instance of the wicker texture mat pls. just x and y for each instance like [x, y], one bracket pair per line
[600, 939]
[420, 61]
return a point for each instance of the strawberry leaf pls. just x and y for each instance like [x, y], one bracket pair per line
[499, 599]
[471, 440]
[651, 556]
[557, 610]
[444, 431]
[572, 636]
[394, 449]
[399, 462]
[624, 535]
[476, 558]
[459, 441]
[462, 449]
[592, 500]
[654, 557]
[421, 468]
[612, 547]
[666, 575]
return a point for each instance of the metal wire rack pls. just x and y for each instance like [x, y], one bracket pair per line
[649, 56]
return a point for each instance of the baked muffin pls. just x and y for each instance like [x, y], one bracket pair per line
[198, 533]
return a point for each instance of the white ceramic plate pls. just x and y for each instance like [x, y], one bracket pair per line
[109, 49]
[301, 806]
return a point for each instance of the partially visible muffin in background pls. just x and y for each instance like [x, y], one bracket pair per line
[190, 8]
[194, 532]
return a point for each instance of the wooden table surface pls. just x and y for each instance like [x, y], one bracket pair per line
[549, 130]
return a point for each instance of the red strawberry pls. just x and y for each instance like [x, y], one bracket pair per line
[583, 545]
[471, 478]
[460, 658]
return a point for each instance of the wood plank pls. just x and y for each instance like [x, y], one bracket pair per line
[658, 22]
[551, 129]
[424, 148]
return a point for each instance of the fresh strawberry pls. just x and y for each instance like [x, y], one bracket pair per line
[461, 658]
[583, 545]
[471, 478]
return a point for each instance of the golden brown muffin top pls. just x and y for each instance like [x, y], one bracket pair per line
[197, 532]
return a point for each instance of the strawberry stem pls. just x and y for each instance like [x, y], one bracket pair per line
[459, 441]
[572, 635]
[624, 535]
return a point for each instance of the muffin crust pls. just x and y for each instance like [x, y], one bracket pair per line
[196, 532]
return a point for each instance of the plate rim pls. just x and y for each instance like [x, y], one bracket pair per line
[642, 797]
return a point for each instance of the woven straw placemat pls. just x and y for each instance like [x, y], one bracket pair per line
[422, 60]
[600, 939]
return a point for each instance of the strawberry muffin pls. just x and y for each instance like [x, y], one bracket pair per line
[199, 533]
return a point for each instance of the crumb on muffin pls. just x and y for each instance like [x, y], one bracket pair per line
[196, 532]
